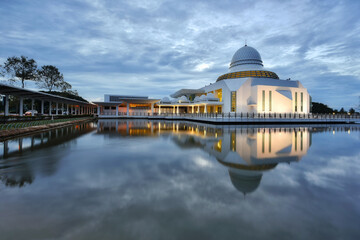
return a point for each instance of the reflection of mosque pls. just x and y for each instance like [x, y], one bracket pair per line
[246, 152]
[17, 170]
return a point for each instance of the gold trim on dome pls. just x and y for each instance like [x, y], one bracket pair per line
[257, 74]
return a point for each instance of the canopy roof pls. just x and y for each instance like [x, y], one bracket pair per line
[26, 93]
[186, 92]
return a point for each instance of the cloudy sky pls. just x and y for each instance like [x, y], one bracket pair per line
[154, 48]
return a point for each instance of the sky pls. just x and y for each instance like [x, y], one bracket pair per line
[154, 48]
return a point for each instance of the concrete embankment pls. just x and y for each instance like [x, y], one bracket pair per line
[8, 134]
[242, 121]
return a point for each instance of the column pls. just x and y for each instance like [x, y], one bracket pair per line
[6, 113]
[42, 107]
[62, 108]
[67, 109]
[159, 109]
[152, 109]
[192, 109]
[56, 108]
[117, 111]
[98, 110]
[127, 109]
[50, 108]
[32, 105]
[174, 110]
[177, 109]
[21, 109]
[205, 109]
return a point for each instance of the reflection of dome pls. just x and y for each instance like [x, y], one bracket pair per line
[246, 178]
[246, 55]
[245, 183]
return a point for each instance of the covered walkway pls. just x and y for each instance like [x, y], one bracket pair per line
[65, 105]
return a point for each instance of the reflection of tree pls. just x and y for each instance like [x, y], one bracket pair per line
[20, 166]
[17, 181]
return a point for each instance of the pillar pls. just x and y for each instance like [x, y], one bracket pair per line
[192, 109]
[159, 109]
[56, 108]
[127, 109]
[117, 111]
[42, 107]
[98, 110]
[67, 109]
[174, 110]
[177, 109]
[6, 112]
[21, 109]
[62, 108]
[152, 109]
[205, 109]
[50, 108]
[32, 104]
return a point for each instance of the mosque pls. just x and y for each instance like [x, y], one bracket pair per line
[246, 88]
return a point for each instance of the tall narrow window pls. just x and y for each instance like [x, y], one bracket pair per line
[263, 100]
[233, 101]
[233, 141]
[301, 102]
[295, 141]
[296, 102]
[270, 101]
[301, 141]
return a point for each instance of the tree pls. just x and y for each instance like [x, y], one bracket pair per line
[65, 86]
[320, 108]
[352, 111]
[20, 68]
[50, 78]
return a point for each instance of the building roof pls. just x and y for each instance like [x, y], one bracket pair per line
[274, 82]
[186, 92]
[27, 93]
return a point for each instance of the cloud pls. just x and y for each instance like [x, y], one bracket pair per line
[167, 43]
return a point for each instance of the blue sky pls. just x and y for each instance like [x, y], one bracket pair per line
[154, 48]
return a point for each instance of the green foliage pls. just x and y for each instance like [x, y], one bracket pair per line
[50, 78]
[20, 68]
[320, 108]
[352, 111]
[67, 95]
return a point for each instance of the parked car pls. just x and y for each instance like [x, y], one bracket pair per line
[31, 113]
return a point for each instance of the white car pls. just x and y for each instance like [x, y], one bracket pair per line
[31, 113]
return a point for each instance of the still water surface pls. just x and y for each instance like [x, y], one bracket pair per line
[140, 179]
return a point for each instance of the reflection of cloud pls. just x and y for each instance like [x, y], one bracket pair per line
[327, 175]
[149, 188]
[202, 162]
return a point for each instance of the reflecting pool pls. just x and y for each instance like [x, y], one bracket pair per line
[140, 179]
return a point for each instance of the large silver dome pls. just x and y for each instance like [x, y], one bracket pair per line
[246, 55]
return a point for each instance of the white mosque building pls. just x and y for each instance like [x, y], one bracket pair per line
[246, 88]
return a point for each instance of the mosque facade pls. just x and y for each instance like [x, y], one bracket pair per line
[246, 88]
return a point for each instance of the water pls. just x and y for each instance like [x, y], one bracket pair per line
[169, 180]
